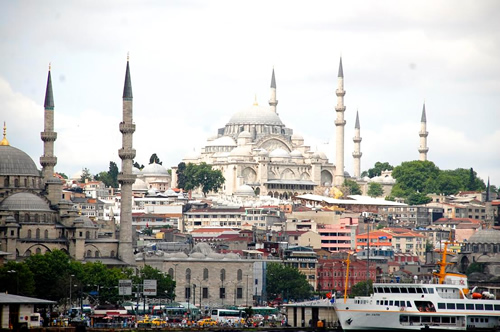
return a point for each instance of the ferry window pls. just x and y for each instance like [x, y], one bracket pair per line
[426, 319]
[415, 320]
[486, 320]
[488, 307]
[441, 306]
[386, 302]
[425, 290]
[408, 304]
[430, 290]
[497, 306]
[394, 290]
[396, 303]
[469, 306]
[445, 319]
[460, 306]
[452, 320]
[481, 320]
[450, 306]
[403, 319]
[419, 290]
[411, 290]
[391, 302]
[377, 302]
[404, 290]
[436, 319]
[387, 290]
[479, 306]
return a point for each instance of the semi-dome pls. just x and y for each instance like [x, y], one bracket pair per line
[296, 136]
[154, 169]
[244, 190]
[240, 151]
[16, 162]
[245, 134]
[24, 202]
[296, 154]
[222, 141]
[256, 115]
[488, 235]
[84, 221]
[263, 152]
[279, 153]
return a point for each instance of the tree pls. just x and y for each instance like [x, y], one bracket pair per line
[137, 165]
[286, 282]
[351, 188]
[375, 189]
[86, 175]
[361, 287]
[201, 176]
[113, 174]
[418, 199]
[63, 175]
[414, 177]
[154, 159]
[164, 284]
[181, 176]
[377, 169]
[16, 278]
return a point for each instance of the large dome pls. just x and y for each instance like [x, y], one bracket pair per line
[222, 141]
[154, 169]
[16, 162]
[256, 115]
[24, 202]
[488, 235]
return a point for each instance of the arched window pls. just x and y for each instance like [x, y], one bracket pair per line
[38, 233]
[28, 253]
[6, 182]
[38, 251]
[25, 182]
[171, 273]
[26, 217]
[97, 254]
[16, 182]
[89, 253]
[205, 274]
[188, 276]
[112, 254]
[46, 234]
[29, 234]
[37, 217]
[222, 274]
[239, 275]
[87, 235]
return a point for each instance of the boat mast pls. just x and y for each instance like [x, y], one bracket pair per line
[348, 261]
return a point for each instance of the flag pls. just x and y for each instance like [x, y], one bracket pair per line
[329, 295]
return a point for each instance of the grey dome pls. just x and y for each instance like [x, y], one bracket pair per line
[256, 115]
[24, 202]
[16, 162]
[488, 235]
[85, 222]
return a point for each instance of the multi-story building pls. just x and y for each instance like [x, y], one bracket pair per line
[305, 260]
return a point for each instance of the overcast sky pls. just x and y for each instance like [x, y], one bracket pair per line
[196, 63]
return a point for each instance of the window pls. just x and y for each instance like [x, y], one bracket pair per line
[188, 276]
[38, 251]
[222, 274]
[460, 306]
[187, 292]
[488, 307]
[89, 253]
[46, 234]
[441, 306]
[469, 306]
[222, 293]
[450, 306]
[29, 234]
[205, 274]
[240, 275]
[97, 254]
[479, 306]
[239, 293]
[38, 233]
[205, 292]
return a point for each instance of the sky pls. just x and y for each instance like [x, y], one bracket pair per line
[196, 63]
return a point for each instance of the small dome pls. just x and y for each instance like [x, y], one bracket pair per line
[197, 255]
[84, 221]
[263, 153]
[135, 170]
[152, 192]
[16, 162]
[192, 156]
[223, 141]
[24, 202]
[296, 154]
[244, 190]
[244, 134]
[297, 137]
[240, 152]
[154, 169]
[488, 235]
[170, 192]
[139, 185]
[316, 155]
[279, 153]
[77, 176]
[256, 115]
[322, 155]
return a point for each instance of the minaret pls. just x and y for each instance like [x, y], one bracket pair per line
[423, 137]
[126, 178]
[357, 148]
[339, 129]
[272, 101]
[48, 160]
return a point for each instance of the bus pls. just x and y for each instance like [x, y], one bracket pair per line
[228, 315]
[264, 311]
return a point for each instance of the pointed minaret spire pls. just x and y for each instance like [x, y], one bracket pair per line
[49, 98]
[423, 149]
[126, 178]
[488, 190]
[339, 129]
[272, 101]
[357, 148]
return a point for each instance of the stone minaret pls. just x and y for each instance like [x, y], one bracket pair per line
[357, 148]
[126, 178]
[423, 137]
[339, 128]
[272, 101]
[53, 186]
[48, 160]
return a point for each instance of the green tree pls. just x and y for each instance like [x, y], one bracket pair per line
[137, 165]
[86, 175]
[286, 282]
[377, 169]
[154, 159]
[113, 174]
[475, 267]
[361, 287]
[104, 178]
[181, 176]
[165, 286]
[375, 189]
[418, 199]
[63, 175]
[16, 278]
[414, 176]
[352, 188]
[202, 176]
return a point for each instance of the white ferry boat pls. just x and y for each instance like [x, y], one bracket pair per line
[446, 304]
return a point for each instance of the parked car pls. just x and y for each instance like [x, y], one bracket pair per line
[206, 322]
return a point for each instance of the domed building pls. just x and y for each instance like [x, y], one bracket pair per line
[257, 150]
[482, 247]
[34, 219]
[155, 176]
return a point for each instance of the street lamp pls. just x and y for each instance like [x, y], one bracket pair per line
[70, 283]
[17, 280]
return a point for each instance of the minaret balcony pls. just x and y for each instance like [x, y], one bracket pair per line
[127, 128]
[423, 133]
[125, 153]
[357, 154]
[48, 136]
[340, 93]
[423, 150]
[48, 161]
[340, 108]
[339, 122]
[126, 178]
[357, 139]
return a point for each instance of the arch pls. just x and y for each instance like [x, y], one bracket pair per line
[171, 273]
[188, 275]
[222, 274]
[46, 234]
[37, 233]
[271, 175]
[29, 234]
[274, 143]
[305, 176]
[38, 251]
[239, 275]
[257, 191]
[112, 253]
[88, 254]
[288, 174]
[326, 178]
[205, 274]
[27, 253]
[270, 193]
[276, 194]
[464, 264]
[97, 253]
[249, 175]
